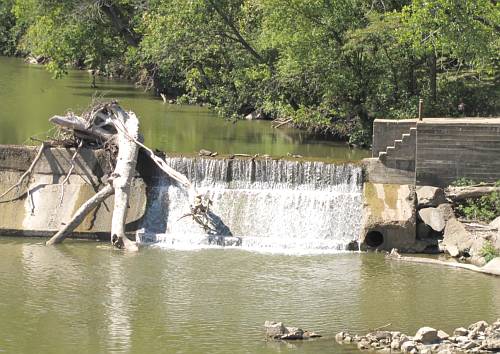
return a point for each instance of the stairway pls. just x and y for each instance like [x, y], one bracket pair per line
[401, 155]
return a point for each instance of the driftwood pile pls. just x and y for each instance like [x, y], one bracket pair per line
[107, 126]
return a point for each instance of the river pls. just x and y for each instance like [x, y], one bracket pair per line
[85, 297]
[29, 97]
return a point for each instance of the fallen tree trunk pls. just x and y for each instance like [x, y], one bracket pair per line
[123, 173]
[109, 127]
[80, 215]
[462, 193]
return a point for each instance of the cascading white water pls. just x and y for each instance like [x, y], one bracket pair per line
[267, 205]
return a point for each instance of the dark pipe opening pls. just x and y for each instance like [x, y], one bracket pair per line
[374, 239]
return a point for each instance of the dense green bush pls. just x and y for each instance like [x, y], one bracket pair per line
[485, 208]
[489, 251]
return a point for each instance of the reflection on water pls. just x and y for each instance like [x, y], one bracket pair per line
[29, 97]
[85, 297]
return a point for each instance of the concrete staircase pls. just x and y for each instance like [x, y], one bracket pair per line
[402, 150]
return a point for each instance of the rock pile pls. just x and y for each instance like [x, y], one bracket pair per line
[480, 337]
[278, 331]
[437, 223]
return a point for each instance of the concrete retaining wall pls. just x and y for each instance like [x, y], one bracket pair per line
[40, 205]
[448, 149]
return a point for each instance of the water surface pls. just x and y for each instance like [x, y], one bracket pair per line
[84, 297]
[29, 97]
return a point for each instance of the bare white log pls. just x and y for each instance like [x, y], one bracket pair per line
[80, 127]
[462, 193]
[123, 173]
[80, 214]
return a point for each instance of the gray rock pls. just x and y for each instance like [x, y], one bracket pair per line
[364, 344]
[339, 337]
[470, 345]
[460, 332]
[425, 350]
[408, 347]
[447, 211]
[428, 196]
[308, 334]
[456, 235]
[445, 351]
[395, 344]
[433, 217]
[492, 344]
[274, 329]
[426, 335]
[479, 326]
[442, 335]
[379, 335]
[292, 333]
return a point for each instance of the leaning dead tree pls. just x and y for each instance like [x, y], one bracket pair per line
[107, 126]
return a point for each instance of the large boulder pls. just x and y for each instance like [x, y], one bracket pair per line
[456, 239]
[447, 211]
[433, 217]
[428, 196]
[426, 335]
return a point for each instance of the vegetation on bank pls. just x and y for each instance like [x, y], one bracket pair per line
[330, 66]
[485, 208]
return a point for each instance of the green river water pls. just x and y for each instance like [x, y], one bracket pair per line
[85, 297]
[29, 97]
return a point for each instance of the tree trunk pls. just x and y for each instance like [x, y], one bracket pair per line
[127, 125]
[433, 77]
[80, 214]
[462, 193]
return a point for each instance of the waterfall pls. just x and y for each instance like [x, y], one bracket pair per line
[263, 205]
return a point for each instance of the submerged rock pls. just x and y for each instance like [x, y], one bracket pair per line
[278, 331]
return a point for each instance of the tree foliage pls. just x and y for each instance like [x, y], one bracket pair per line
[331, 66]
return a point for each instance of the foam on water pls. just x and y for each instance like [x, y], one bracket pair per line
[269, 206]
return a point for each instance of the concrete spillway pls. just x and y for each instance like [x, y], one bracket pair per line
[270, 205]
[267, 204]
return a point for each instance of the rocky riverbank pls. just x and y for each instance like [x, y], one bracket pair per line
[479, 337]
[438, 225]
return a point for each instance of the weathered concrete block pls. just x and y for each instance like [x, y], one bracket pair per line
[389, 216]
[49, 204]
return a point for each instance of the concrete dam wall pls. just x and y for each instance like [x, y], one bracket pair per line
[269, 203]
